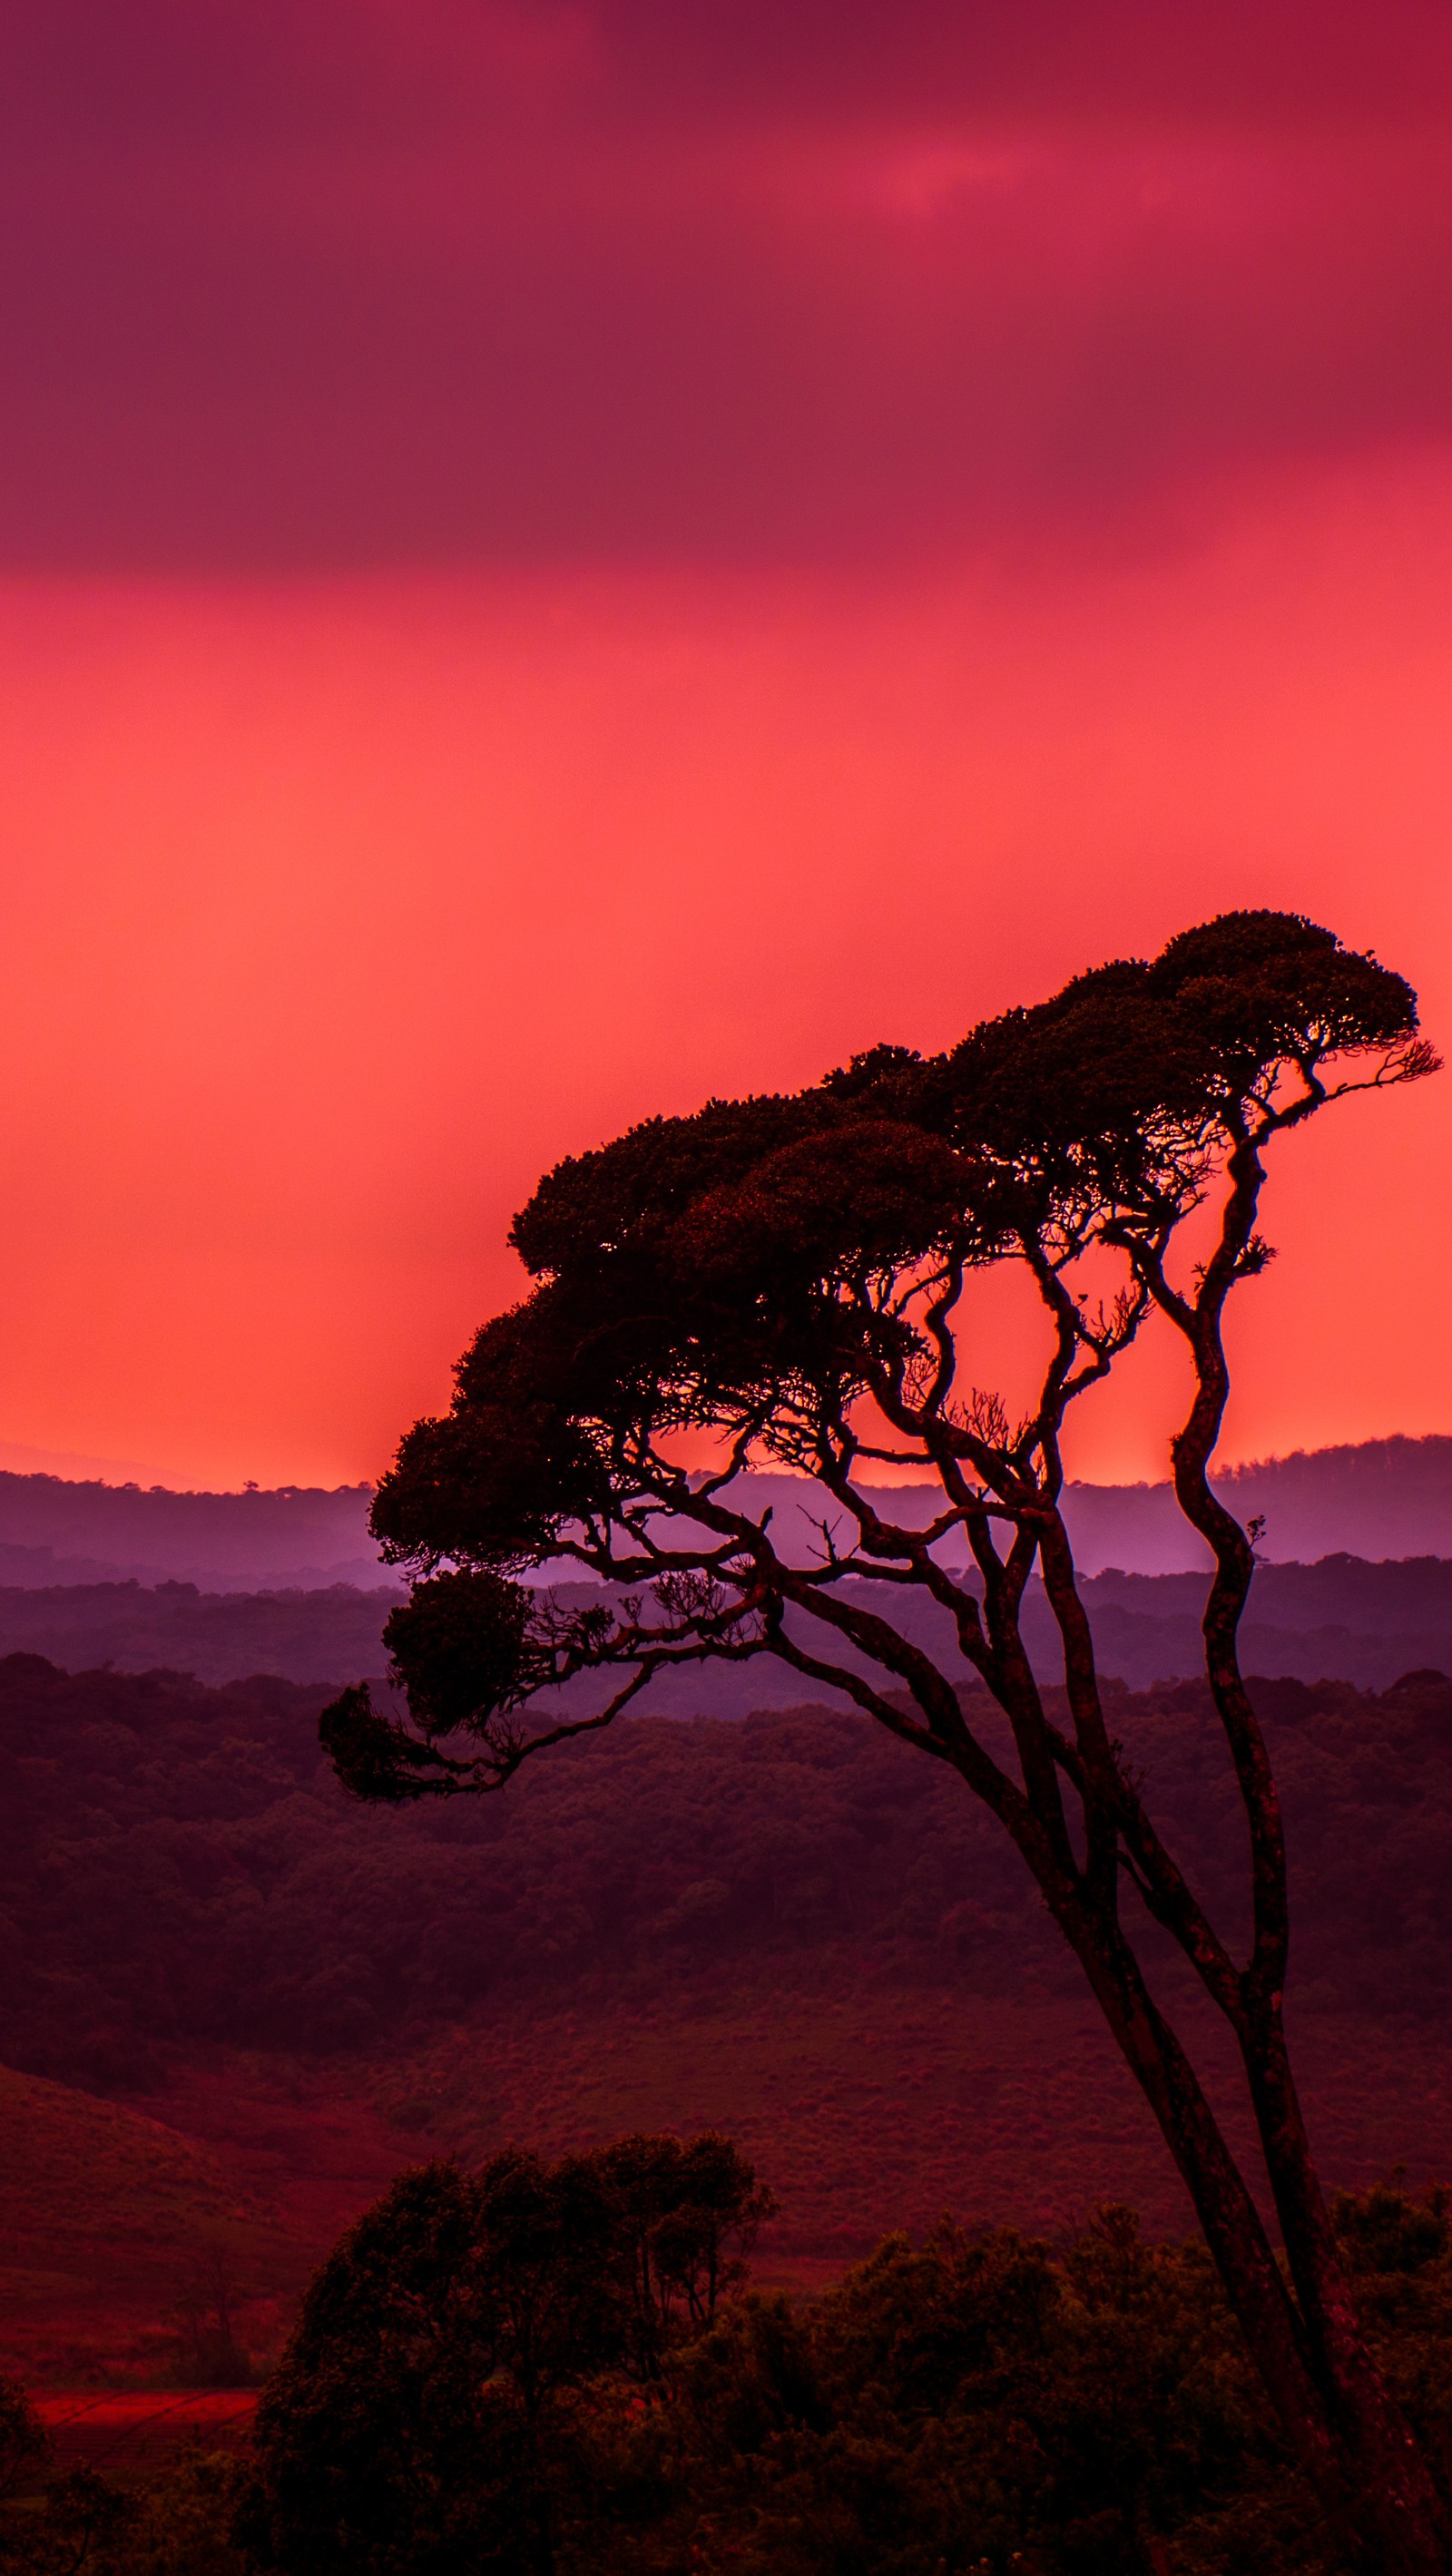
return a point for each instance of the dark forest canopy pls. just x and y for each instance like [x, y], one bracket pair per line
[214, 1884]
[971, 2401]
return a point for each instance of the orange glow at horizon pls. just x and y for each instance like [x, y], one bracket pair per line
[333, 913]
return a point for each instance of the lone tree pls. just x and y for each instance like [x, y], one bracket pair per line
[781, 1280]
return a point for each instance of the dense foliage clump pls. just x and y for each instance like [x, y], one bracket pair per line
[455, 2349]
[532, 2367]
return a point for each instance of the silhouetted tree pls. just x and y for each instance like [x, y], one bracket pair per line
[419, 2422]
[785, 1277]
[683, 2218]
[82, 2523]
[206, 2316]
[24, 2442]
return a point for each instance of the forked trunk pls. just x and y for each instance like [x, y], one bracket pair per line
[1346, 2435]
[1395, 2491]
[1383, 2495]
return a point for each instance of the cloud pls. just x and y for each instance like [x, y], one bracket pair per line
[266, 67]
[458, 286]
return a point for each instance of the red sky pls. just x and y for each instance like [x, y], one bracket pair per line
[553, 559]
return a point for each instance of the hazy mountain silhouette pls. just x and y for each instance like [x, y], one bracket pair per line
[1375, 1499]
[53, 1531]
[1371, 1498]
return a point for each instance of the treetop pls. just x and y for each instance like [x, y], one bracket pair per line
[783, 1274]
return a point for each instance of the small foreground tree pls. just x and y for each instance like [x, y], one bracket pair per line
[787, 1279]
[420, 2421]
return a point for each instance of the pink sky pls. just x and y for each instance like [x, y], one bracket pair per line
[557, 559]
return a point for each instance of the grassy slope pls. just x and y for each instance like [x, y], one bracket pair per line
[866, 2107]
[106, 2211]
[870, 2108]
[95, 2198]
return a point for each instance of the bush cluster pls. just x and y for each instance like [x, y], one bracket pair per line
[536, 2371]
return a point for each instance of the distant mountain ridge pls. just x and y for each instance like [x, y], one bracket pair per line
[56, 1532]
[1373, 1499]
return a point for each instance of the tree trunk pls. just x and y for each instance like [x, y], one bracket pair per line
[1398, 2498]
[1396, 2523]
[1344, 2432]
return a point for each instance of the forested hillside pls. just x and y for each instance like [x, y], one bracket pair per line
[214, 1636]
[1342, 1618]
[180, 1866]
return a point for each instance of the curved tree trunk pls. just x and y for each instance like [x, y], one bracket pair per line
[1344, 2431]
[1397, 2499]
[1394, 2517]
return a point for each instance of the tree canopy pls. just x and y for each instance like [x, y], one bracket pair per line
[781, 1276]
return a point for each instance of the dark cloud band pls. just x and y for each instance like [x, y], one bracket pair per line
[338, 289]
